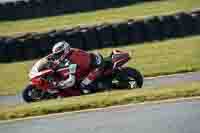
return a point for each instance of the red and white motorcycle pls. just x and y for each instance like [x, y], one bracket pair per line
[43, 80]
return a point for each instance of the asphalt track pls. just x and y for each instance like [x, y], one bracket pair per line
[170, 117]
[148, 82]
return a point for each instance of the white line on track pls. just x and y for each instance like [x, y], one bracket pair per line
[103, 109]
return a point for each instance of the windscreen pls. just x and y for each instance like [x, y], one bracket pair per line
[38, 66]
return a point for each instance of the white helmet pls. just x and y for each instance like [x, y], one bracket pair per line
[61, 48]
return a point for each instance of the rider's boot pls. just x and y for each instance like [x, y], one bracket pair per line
[86, 85]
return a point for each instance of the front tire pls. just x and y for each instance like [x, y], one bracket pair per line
[32, 94]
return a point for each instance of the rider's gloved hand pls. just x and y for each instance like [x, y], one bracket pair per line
[54, 65]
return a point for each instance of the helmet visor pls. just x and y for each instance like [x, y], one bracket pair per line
[58, 55]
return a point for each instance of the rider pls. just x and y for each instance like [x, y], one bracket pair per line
[62, 52]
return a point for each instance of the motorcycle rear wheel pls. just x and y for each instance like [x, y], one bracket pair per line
[129, 78]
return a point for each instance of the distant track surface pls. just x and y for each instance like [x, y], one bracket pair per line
[173, 117]
[148, 82]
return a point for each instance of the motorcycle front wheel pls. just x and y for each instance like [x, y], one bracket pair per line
[32, 94]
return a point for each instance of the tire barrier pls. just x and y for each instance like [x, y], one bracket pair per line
[167, 26]
[120, 33]
[3, 50]
[105, 35]
[41, 8]
[196, 22]
[90, 39]
[74, 37]
[35, 45]
[152, 28]
[136, 31]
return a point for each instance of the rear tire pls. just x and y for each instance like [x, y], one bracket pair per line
[136, 75]
[129, 78]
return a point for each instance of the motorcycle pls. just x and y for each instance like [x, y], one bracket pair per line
[43, 80]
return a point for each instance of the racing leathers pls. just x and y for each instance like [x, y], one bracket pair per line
[89, 68]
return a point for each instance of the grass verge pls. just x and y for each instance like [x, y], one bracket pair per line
[152, 59]
[101, 100]
[96, 17]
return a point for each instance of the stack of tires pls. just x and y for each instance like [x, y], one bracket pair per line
[155, 28]
[24, 9]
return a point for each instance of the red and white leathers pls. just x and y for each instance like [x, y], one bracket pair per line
[86, 71]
